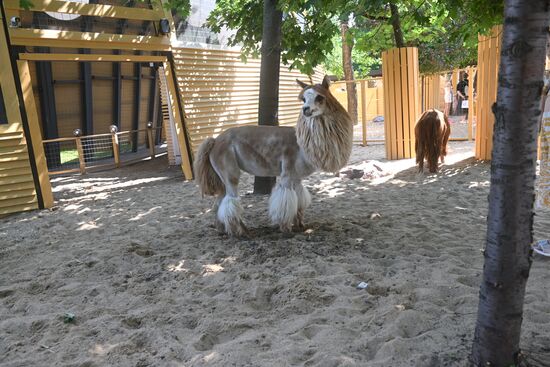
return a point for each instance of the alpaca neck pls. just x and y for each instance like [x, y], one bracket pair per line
[325, 140]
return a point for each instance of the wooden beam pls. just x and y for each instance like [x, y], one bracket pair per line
[72, 39]
[93, 10]
[90, 57]
[36, 136]
[177, 112]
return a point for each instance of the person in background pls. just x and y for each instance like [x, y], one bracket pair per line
[448, 96]
[462, 95]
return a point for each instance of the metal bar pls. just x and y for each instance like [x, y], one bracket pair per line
[100, 77]
[68, 81]
[117, 92]
[48, 106]
[137, 100]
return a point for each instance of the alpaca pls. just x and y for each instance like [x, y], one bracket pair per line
[322, 140]
[432, 132]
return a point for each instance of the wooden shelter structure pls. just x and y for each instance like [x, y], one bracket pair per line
[89, 84]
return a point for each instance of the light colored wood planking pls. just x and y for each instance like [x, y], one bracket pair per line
[90, 57]
[73, 39]
[93, 10]
[405, 99]
[35, 134]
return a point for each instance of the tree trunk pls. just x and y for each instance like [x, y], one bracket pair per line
[396, 24]
[347, 46]
[269, 79]
[510, 219]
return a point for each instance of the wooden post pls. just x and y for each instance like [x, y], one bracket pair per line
[80, 155]
[401, 100]
[116, 148]
[150, 139]
[36, 137]
[364, 111]
[488, 65]
[177, 113]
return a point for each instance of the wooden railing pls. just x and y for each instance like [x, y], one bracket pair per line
[111, 150]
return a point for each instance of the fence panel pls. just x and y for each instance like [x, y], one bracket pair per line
[80, 154]
[488, 64]
[400, 77]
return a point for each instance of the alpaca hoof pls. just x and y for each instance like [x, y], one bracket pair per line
[299, 227]
[285, 228]
[238, 230]
[220, 228]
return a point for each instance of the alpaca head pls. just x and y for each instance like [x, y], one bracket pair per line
[314, 98]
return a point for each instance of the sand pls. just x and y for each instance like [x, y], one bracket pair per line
[133, 255]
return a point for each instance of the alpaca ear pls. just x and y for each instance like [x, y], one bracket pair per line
[326, 82]
[301, 84]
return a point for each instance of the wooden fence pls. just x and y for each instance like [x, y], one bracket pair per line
[488, 64]
[220, 91]
[401, 100]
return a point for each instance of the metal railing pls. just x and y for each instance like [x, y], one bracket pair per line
[112, 150]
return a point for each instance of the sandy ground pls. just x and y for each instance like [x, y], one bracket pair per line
[132, 253]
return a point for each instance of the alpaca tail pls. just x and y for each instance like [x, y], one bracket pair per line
[208, 180]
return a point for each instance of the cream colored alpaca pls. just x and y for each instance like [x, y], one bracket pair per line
[322, 140]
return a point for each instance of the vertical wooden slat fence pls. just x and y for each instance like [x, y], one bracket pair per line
[487, 72]
[431, 91]
[401, 100]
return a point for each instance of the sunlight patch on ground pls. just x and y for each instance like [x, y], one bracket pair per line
[87, 226]
[192, 267]
[102, 350]
[105, 184]
[141, 215]
[479, 184]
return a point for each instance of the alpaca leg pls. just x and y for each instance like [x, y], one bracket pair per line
[283, 205]
[230, 210]
[304, 200]
[220, 227]
[230, 214]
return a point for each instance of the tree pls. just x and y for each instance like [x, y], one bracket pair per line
[347, 47]
[269, 79]
[510, 219]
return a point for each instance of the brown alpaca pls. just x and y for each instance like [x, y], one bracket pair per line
[432, 132]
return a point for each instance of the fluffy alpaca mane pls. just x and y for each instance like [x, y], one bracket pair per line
[326, 139]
